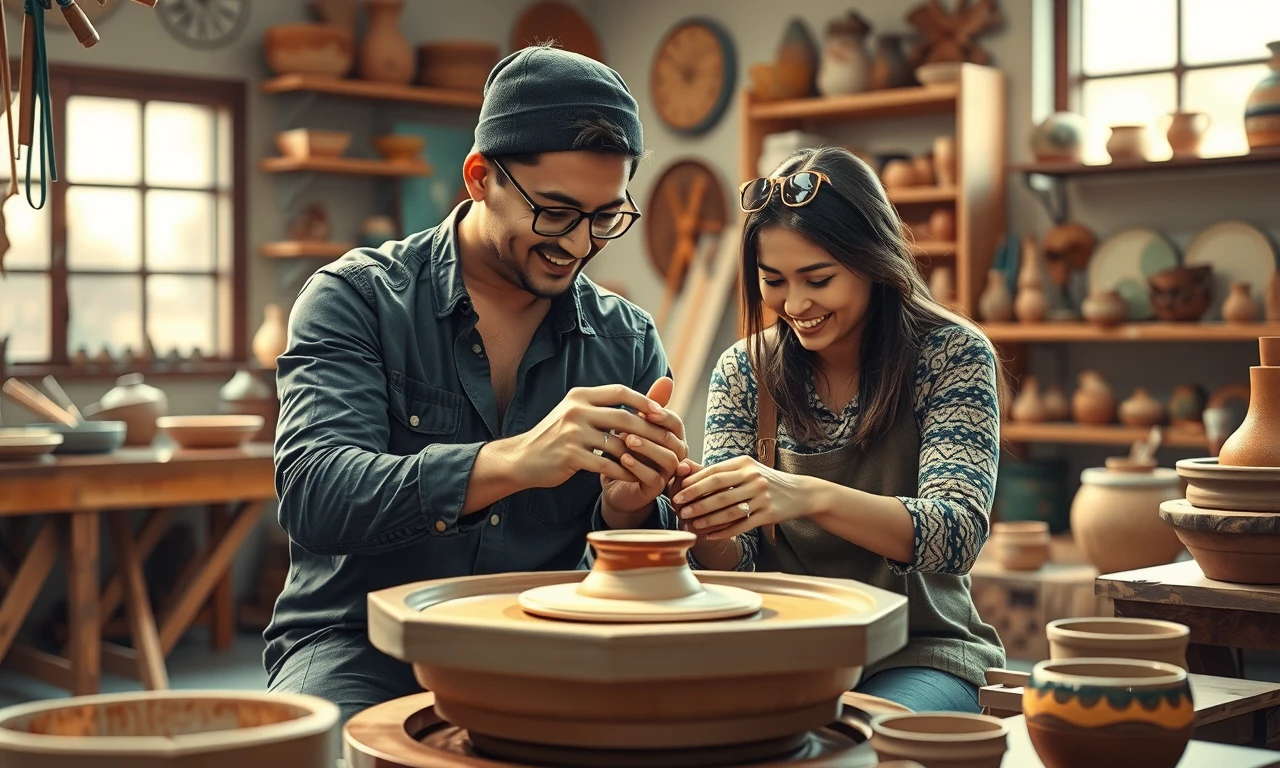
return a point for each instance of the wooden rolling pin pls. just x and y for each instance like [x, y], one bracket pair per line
[35, 401]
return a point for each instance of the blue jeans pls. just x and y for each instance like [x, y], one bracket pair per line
[923, 689]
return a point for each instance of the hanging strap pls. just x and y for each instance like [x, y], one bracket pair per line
[40, 90]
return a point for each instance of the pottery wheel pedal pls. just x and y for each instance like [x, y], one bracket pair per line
[638, 662]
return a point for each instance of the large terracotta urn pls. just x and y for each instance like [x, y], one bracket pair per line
[386, 55]
[1115, 517]
[1262, 110]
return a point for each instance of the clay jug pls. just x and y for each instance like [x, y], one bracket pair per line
[1141, 409]
[1262, 109]
[1028, 407]
[1256, 443]
[845, 66]
[271, 337]
[1273, 299]
[386, 55]
[134, 402]
[1115, 517]
[889, 70]
[1056, 407]
[1104, 308]
[996, 305]
[1239, 306]
[1031, 305]
[1093, 401]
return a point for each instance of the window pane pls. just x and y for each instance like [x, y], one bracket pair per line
[182, 313]
[28, 231]
[1222, 92]
[1228, 30]
[180, 231]
[180, 144]
[103, 138]
[1127, 100]
[105, 311]
[25, 317]
[103, 228]
[1128, 35]
[224, 149]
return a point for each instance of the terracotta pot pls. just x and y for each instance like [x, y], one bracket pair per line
[134, 402]
[1104, 308]
[1118, 638]
[1127, 142]
[944, 160]
[386, 55]
[1181, 294]
[996, 304]
[1056, 407]
[898, 174]
[1185, 132]
[889, 69]
[1256, 443]
[1108, 713]
[1262, 109]
[309, 49]
[1141, 409]
[1235, 547]
[1027, 406]
[272, 337]
[1115, 518]
[1022, 545]
[923, 165]
[950, 739]
[942, 224]
[845, 66]
[1239, 306]
[1093, 401]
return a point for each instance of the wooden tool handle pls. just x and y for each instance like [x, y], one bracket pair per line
[80, 25]
[61, 398]
[148, 3]
[32, 399]
[27, 81]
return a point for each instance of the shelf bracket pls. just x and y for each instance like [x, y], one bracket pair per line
[1052, 193]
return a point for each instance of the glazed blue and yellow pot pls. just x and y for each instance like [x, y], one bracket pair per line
[1102, 713]
[1262, 110]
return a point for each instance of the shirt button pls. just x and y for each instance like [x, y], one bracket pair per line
[477, 348]
[440, 526]
[413, 420]
[494, 520]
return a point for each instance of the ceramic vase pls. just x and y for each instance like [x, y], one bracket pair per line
[1104, 308]
[1262, 110]
[385, 53]
[1056, 407]
[890, 68]
[845, 66]
[1093, 401]
[1108, 713]
[272, 336]
[1031, 306]
[1239, 306]
[1027, 406]
[1256, 442]
[1127, 142]
[1115, 517]
[1059, 138]
[996, 304]
[1141, 409]
[944, 160]
[1185, 132]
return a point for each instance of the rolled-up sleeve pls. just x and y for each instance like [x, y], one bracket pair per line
[340, 492]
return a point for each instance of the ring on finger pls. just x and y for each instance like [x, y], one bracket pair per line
[746, 509]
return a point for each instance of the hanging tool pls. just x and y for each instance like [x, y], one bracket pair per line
[7, 88]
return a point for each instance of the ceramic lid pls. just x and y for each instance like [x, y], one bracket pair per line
[130, 389]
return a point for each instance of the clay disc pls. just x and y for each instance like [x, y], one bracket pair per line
[715, 601]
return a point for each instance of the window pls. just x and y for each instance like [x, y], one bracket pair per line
[139, 246]
[1135, 61]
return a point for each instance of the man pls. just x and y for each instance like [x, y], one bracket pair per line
[464, 401]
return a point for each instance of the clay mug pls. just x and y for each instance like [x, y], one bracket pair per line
[1185, 131]
[1127, 142]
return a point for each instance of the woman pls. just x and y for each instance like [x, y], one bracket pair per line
[887, 425]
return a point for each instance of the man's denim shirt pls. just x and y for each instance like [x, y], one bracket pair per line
[385, 400]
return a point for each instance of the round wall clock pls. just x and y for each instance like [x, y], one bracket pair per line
[204, 23]
[692, 81]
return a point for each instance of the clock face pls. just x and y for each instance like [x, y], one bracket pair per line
[693, 74]
[204, 23]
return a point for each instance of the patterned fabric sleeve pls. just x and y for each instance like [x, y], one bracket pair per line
[731, 428]
[957, 411]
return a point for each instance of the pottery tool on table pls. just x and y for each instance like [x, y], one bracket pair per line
[60, 397]
[35, 401]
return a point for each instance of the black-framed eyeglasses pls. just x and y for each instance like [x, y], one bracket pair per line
[554, 221]
[796, 190]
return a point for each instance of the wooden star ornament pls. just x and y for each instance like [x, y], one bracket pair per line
[951, 36]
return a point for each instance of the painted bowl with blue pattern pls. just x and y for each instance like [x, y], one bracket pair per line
[1106, 713]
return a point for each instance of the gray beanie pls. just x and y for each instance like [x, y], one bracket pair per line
[534, 96]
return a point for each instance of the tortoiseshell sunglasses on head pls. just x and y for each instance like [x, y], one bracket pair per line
[796, 189]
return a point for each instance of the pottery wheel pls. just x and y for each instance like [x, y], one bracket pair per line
[714, 601]
[408, 733]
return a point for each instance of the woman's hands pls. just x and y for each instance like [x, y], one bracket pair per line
[737, 495]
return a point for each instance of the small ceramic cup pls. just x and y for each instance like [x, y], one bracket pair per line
[941, 739]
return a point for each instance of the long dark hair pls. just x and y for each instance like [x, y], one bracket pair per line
[851, 218]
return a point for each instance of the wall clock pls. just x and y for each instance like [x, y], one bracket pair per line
[693, 74]
[686, 203]
[204, 23]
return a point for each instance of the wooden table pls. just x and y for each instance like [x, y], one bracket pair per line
[1222, 617]
[1199, 754]
[73, 494]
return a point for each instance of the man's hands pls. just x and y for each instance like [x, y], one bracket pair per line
[649, 458]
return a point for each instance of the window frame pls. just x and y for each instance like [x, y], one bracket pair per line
[1068, 77]
[67, 80]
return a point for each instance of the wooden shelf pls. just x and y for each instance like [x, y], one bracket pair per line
[349, 165]
[933, 248]
[363, 89]
[1151, 331]
[1107, 434]
[1142, 166]
[303, 249]
[893, 102]
[923, 195]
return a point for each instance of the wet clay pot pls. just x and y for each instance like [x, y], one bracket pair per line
[1115, 517]
[1108, 713]
[941, 739]
[1115, 637]
[1257, 441]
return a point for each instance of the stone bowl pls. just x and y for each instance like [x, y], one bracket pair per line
[1231, 546]
[215, 431]
[951, 739]
[1211, 485]
[1120, 638]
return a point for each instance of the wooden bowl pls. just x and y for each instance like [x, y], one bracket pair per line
[309, 49]
[304, 143]
[1119, 638]
[219, 431]
[400, 148]
[461, 64]
[190, 729]
[1211, 485]
[1236, 547]
[609, 685]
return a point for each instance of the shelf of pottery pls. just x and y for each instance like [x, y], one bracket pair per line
[324, 57]
[947, 182]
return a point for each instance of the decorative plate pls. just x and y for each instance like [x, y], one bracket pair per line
[1238, 252]
[1124, 261]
